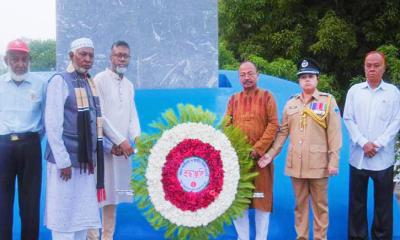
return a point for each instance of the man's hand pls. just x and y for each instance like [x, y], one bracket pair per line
[66, 173]
[264, 161]
[370, 149]
[333, 171]
[116, 150]
[254, 155]
[126, 148]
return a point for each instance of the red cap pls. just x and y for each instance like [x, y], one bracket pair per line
[18, 45]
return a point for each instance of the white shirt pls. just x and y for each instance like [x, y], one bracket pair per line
[372, 115]
[21, 106]
[118, 105]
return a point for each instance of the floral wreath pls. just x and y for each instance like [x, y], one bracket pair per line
[197, 176]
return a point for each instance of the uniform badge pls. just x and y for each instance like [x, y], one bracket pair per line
[337, 111]
[304, 63]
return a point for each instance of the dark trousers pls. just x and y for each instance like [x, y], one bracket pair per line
[382, 225]
[21, 159]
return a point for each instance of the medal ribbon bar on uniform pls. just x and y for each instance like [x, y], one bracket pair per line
[313, 111]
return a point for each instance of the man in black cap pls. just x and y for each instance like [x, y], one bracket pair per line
[312, 120]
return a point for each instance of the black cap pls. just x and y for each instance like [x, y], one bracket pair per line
[307, 66]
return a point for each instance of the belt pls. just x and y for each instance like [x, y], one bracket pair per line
[13, 137]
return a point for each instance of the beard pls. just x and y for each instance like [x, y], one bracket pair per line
[18, 77]
[72, 66]
[81, 70]
[120, 70]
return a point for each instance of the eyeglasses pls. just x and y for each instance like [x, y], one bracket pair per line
[250, 74]
[122, 56]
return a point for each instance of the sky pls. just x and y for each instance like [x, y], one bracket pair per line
[33, 19]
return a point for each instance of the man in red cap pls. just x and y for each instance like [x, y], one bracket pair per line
[21, 108]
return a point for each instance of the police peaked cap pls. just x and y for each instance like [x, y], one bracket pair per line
[307, 65]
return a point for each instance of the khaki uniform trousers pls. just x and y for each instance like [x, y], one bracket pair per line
[107, 232]
[317, 189]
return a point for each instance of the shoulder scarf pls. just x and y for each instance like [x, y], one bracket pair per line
[85, 156]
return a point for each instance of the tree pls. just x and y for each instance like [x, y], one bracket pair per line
[392, 63]
[43, 55]
[337, 33]
[226, 60]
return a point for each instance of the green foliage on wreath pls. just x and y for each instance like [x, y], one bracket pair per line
[189, 113]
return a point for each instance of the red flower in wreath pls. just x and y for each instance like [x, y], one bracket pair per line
[194, 188]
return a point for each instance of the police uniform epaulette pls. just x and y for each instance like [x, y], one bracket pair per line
[294, 96]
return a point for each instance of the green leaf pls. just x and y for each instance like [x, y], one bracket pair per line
[246, 185]
[170, 231]
[170, 118]
[190, 113]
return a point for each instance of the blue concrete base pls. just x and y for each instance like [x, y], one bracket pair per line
[131, 224]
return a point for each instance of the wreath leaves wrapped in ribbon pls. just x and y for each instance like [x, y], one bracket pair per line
[193, 176]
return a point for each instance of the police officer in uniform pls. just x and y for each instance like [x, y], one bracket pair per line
[312, 120]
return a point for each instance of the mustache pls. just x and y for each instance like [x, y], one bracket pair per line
[248, 81]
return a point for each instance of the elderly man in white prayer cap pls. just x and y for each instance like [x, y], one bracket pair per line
[74, 127]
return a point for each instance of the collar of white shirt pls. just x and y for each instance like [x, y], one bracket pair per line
[383, 85]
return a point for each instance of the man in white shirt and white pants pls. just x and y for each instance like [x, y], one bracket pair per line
[73, 123]
[116, 93]
[372, 117]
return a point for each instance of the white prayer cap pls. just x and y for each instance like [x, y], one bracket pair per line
[81, 43]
